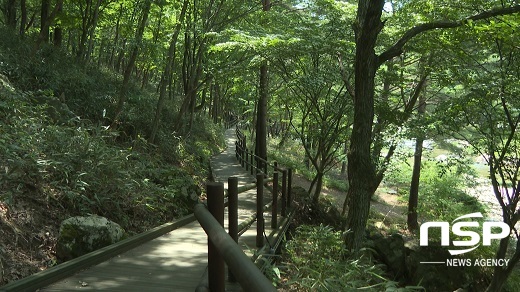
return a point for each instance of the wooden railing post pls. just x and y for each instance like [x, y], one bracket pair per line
[259, 210]
[274, 211]
[233, 214]
[289, 188]
[242, 151]
[216, 265]
[237, 153]
[252, 162]
[265, 164]
[284, 193]
[246, 158]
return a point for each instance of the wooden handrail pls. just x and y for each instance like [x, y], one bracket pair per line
[226, 243]
[244, 270]
[223, 246]
[246, 158]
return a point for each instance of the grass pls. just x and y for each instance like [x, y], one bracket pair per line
[315, 260]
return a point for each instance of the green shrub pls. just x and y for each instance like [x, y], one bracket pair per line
[442, 194]
[55, 147]
[76, 166]
[317, 261]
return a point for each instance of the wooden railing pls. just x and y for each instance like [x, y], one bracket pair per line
[230, 123]
[223, 247]
[255, 164]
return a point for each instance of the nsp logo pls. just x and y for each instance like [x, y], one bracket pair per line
[460, 229]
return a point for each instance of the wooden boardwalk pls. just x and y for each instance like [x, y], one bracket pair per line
[176, 261]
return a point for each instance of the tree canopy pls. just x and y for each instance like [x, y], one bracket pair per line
[328, 74]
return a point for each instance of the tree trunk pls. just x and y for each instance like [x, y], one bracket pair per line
[44, 15]
[344, 163]
[319, 186]
[116, 37]
[261, 115]
[286, 128]
[412, 223]
[214, 103]
[23, 19]
[168, 68]
[84, 29]
[46, 23]
[10, 13]
[361, 169]
[131, 62]
[58, 31]
[92, 30]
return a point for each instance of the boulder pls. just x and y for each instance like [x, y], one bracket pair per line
[299, 192]
[81, 235]
[435, 277]
[403, 259]
[391, 251]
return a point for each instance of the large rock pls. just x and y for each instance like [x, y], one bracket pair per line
[391, 252]
[403, 259]
[436, 277]
[81, 235]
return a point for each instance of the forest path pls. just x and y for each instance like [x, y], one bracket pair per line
[391, 210]
[176, 261]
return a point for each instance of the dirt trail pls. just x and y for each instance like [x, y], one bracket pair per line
[387, 205]
[394, 211]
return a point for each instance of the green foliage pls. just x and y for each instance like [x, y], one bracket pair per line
[513, 282]
[442, 188]
[55, 149]
[85, 90]
[292, 155]
[317, 261]
[76, 167]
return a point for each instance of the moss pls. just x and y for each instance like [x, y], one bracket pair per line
[81, 235]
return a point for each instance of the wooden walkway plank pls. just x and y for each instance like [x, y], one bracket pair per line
[175, 261]
[172, 262]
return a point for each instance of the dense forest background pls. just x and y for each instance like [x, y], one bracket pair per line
[114, 108]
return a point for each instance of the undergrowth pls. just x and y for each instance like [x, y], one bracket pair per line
[315, 260]
[56, 146]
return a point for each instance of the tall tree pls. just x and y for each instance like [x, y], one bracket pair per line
[413, 199]
[167, 71]
[131, 62]
[58, 30]
[10, 13]
[363, 176]
[44, 16]
[23, 17]
[47, 18]
[486, 116]
[261, 110]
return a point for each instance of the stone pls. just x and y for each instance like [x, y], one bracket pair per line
[299, 192]
[403, 259]
[434, 277]
[391, 252]
[81, 235]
